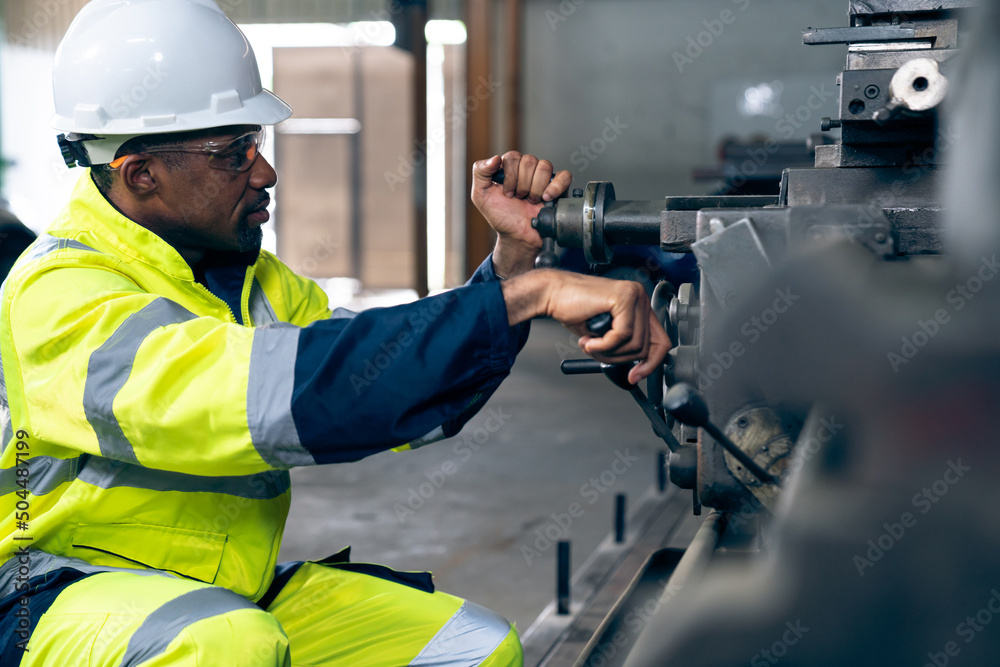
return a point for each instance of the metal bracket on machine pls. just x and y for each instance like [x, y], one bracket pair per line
[744, 244]
[595, 246]
[728, 256]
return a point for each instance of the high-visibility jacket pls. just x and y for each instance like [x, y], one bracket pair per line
[149, 419]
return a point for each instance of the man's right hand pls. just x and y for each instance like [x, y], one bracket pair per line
[572, 298]
[509, 208]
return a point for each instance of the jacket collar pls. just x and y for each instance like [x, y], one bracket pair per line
[89, 211]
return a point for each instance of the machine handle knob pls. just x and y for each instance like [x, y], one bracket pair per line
[598, 325]
[688, 407]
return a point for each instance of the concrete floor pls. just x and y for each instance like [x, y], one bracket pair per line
[475, 509]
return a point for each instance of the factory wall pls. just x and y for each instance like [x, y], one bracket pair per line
[638, 92]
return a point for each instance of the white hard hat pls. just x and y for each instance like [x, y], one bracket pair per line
[128, 68]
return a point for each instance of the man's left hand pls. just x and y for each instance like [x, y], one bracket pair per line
[510, 207]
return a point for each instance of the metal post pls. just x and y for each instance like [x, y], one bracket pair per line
[620, 518]
[661, 470]
[562, 578]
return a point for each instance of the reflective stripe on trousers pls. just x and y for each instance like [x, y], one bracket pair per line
[323, 616]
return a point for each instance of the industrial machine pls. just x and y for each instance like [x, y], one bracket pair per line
[833, 375]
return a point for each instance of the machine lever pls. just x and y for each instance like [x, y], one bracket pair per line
[500, 174]
[659, 425]
[688, 407]
[618, 374]
[580, 367]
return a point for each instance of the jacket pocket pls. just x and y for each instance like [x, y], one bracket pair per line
[190, 553]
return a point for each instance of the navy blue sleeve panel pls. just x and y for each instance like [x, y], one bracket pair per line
[487, 273]
[391, 375]
[21, 610]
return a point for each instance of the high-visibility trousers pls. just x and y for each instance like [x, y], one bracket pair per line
[319, 616]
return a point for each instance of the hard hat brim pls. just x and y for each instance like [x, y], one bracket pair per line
[265, 108]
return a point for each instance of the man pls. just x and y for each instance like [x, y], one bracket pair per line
[163, 373]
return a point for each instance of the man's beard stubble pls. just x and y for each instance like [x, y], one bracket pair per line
[249, 238]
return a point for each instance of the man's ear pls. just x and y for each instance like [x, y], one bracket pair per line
[140, 174]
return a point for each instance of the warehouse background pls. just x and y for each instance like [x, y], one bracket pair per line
[638, 92]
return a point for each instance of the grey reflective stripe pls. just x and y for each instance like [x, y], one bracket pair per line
[468, 638]
[6, 430]
[108, 474]
[37, 563]
[170, 619]
[433, 436]
[45, 474]
[342, 314]
[110, 366]
[269, 396]
[46, 243]
[261, 311]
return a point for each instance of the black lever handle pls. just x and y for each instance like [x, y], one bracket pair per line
[500, 174]
[598, 325]
[688, 407]
[580, 366]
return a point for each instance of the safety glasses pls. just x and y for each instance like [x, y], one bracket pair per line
[233, 155]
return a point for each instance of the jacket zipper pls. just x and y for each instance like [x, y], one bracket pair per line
[212, 294]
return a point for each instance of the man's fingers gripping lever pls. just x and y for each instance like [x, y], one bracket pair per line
[633, 334]
[572, 299]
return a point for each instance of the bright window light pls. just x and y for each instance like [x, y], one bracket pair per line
[319, 126]
[445, 32]
[438, 34]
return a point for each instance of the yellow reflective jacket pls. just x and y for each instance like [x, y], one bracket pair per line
[148, 420]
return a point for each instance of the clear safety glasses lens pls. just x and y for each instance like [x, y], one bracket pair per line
[233, 155]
